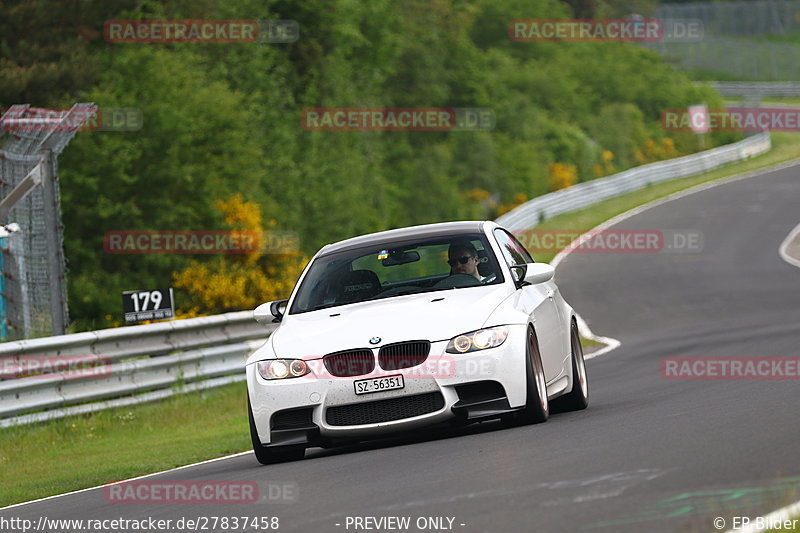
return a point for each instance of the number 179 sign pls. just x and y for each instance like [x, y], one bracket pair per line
[139, 306]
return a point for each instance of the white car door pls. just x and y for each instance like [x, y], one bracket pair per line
[538, 301]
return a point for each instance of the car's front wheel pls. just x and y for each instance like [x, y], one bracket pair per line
[269, 455]
[537, 407]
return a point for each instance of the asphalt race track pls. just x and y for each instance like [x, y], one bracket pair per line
[649, 454]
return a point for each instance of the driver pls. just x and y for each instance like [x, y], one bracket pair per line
[463, 259]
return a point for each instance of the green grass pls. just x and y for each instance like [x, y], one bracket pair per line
[712, 75]
[795, 522]
[767, 101]
[791, 38]
[778, 100]
[756, 60]
[87, 450]
[590, 345]
[43, 459]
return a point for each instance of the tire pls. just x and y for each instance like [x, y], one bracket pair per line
[578, 397]
[537, 406]
[266, 455]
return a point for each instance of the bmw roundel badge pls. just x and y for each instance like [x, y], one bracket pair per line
[375, 340]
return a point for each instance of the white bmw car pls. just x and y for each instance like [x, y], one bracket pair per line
[446, 323]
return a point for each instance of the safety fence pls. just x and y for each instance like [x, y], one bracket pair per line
[751, 40]
[33, 291]
[71, 370]
[585, 194]
[742, 18]
[757, 89]
[134, 364]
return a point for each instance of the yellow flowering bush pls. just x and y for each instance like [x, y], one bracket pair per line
[562, 175]
[606, 166]
[241, 281]
[656, 151]
[478, 195]
[519, 199]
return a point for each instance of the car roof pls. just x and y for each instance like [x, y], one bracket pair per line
[442, 229]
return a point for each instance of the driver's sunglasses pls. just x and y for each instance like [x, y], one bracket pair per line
[464, 259]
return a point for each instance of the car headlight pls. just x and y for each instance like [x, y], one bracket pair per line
[282, 368]
[478, 340]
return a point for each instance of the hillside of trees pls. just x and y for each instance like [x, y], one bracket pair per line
[222, 124]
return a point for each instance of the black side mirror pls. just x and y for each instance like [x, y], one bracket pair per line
[278, 308]
[518, 275]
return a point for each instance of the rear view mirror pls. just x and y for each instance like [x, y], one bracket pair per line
[399, 257]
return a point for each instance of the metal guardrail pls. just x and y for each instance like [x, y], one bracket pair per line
[142, 363]
[759, 89]
[127, 361]
[585, 194]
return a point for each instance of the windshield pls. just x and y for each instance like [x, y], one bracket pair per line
[393, 268]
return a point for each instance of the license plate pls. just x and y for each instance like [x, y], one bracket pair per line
[366, 386]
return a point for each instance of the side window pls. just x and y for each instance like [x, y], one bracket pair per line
[522, 250]
[513, 252]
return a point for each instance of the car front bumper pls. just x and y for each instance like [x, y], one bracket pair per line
[447, 387]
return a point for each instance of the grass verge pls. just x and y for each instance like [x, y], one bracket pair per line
[82, 451]
[790, 525]
[53, 457]
[590, 345]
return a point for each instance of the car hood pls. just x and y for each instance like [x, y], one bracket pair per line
[432, 316]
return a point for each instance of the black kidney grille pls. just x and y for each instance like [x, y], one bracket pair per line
[403, 354]
[384, 410]
[350, 363]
